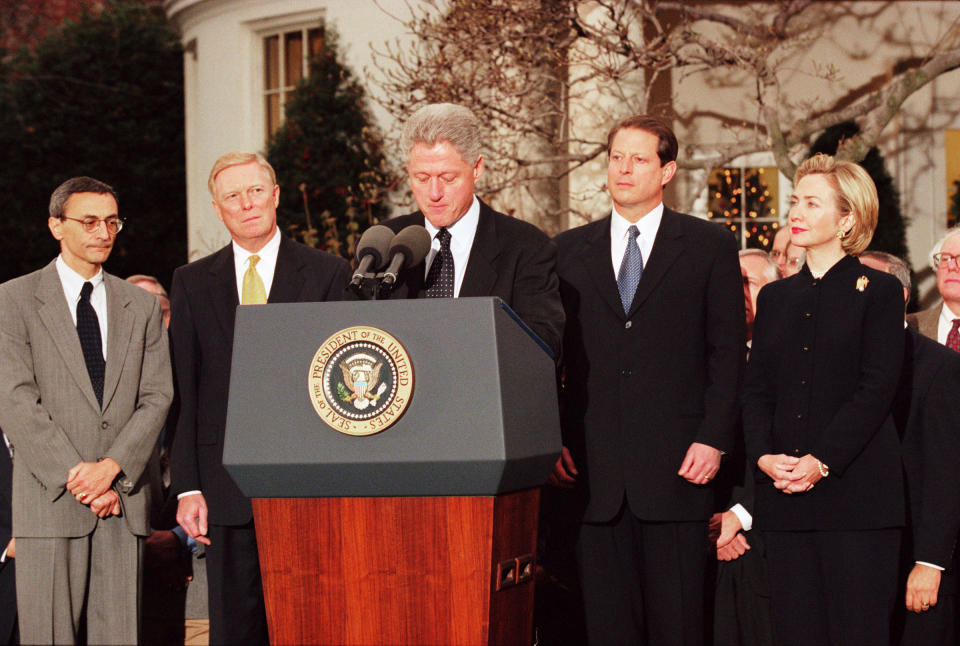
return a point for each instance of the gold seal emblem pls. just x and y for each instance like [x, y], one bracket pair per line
[360, 380]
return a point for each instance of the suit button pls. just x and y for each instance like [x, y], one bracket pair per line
[796, 451]
[803, 382]
[104, 425]
[626, 373]
[799, 415]
[628, 325]
[807, 315]
[806, 349]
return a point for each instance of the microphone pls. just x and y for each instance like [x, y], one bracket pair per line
[371, 252]
[408, 248]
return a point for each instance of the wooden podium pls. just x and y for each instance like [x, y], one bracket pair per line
[425, 532]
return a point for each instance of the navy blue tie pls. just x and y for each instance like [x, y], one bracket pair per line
[439, 282]
[88, 329]
[631, 267]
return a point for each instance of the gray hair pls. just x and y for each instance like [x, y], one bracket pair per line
[438, 122]
[60, 195]
[770, 271]
[952, 231]
[895, 265]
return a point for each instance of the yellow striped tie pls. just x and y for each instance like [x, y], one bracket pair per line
[253, 291]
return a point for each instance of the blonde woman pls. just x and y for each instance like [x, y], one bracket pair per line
[826, 356]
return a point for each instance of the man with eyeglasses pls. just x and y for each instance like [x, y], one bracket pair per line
[85, 384]
[778, 252]
[942, 321]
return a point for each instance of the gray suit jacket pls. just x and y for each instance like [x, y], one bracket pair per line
[50, 413]
[926, 321]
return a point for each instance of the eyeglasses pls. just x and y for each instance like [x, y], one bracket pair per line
[795, 262]
[776, 253]
[942, 259]
[92, 225]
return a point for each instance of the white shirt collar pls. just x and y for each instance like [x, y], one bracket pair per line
[73, 282]
[462, 233]
[266, 266]
[945, 323]
[647, 226]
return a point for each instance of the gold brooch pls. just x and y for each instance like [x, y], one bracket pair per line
[862, 283]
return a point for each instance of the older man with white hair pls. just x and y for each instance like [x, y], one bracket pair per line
[942, 321]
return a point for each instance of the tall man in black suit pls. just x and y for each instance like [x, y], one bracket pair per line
[653, 358]
[925, 410]
[259, 266]
[476, 250]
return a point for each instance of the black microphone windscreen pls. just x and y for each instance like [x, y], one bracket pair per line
[413, 242]
[375, 242]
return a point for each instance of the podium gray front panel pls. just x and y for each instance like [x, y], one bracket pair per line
[483, 418]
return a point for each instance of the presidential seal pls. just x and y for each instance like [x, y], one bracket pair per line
[360, 381]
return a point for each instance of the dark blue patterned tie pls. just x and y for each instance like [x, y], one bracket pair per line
[88, 329]
[439, 281]
[630, 269]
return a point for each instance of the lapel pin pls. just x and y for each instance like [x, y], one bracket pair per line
[862, 283]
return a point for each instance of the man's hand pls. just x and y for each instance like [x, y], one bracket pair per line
[87, 481]
[731, 544]
[106, 505]
[700, 464]
[734, 549]
[12, 549]
[922, 587]
[564, 472]
[192, 516]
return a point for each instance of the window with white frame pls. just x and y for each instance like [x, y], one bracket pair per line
[286, 55]
[746, 200]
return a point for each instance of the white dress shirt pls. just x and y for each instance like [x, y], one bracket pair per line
[945, 323]
[72, 283]
[619, 237]
[266, 266]
[462, 233]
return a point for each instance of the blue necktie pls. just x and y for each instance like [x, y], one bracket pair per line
[88, 329]
[630, 269]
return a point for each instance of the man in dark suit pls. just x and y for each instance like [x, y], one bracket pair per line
[259, 266]
[8, 591]
[84, 389]
[476, 251]
[925, 411]
[653, 359]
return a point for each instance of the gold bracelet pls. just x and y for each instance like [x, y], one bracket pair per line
[824, 469]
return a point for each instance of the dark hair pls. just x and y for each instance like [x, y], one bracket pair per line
[666, 148]
[59, 197]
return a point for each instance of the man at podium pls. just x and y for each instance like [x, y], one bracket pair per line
[475, 250]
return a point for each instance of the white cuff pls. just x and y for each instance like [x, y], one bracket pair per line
[3, 557]
[188, 493]
[935, 567]
[746, 520]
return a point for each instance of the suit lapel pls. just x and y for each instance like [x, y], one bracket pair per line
[667, 247]
[929, 322]
[596, 257]
[288, 278]
[55, 314]
[119, 328]
[223, 290]
[481, 274]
